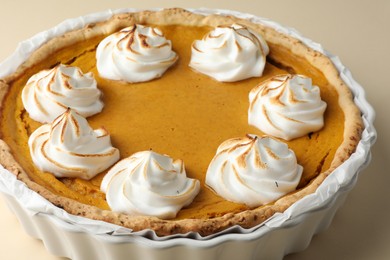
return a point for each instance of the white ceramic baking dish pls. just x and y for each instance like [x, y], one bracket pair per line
[79, 238]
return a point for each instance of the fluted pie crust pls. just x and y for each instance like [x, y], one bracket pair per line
[183, 114]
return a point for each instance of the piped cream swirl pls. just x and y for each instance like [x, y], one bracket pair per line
[135, 54]
[286, 106]
[69, 147]
[230, 53]
[148, 183]
[253, 170]
[49, 93]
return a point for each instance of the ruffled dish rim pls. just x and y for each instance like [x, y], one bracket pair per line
[325, 194]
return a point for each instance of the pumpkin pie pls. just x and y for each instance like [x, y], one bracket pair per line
[183, 113]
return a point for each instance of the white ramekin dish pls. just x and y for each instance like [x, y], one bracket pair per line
[291, 231]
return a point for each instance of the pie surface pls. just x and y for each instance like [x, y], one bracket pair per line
[183, 114]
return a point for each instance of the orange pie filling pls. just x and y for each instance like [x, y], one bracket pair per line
[184, 114]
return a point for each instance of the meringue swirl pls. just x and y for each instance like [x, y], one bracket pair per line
[49, 93]
[230, 53]
[253, 170]
[286, 106]
[148, 183]
[135, 54]
[69, 147]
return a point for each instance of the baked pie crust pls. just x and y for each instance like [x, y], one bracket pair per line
[319, 153]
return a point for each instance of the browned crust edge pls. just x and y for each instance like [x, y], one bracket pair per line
[246, 219]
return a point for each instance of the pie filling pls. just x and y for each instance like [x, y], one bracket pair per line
[183, 114]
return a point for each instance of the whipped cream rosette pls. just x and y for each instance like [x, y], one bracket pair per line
[230, 53]
[135, 54]
[148, 183]
[253, 170]
[49, 93]
[286, 106]
[69, 147]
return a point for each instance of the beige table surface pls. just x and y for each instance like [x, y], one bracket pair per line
[357, 31]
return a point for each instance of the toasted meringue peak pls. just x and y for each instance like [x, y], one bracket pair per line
[148, 183]
[135, 54]
[286, 106]
[230, 53]
[253, 170]
[49, 93]
[69, 147]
